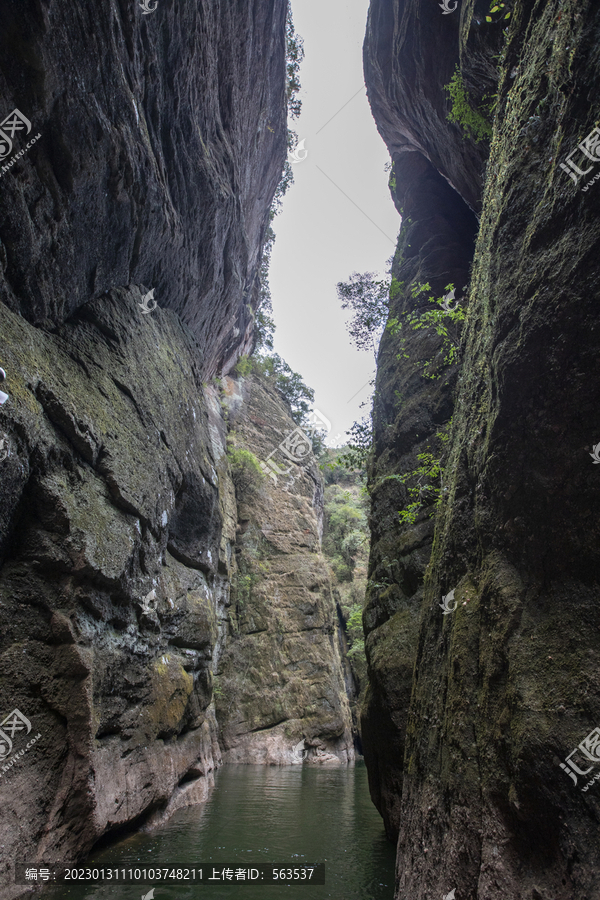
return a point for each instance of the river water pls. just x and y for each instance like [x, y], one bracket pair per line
[289, 816]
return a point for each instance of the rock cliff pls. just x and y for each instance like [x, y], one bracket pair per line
[115, 548]
[140, 116]
[469, 714]
[163, 139]
[281, 677]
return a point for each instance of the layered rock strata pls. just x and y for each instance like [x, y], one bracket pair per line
[116, 534]
[483, 704]
[163, 137]
[282, 696]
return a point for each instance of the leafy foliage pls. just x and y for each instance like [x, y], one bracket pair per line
[294, 54]
[246, 472]
[473, 123]
[498, 7]
[368, 299]
[357, 450]
[445, 321]
[427, 479]
[334, 472]
[289, 383]
[345, 531]
[264, 325]
[244, 583]
[346, 545]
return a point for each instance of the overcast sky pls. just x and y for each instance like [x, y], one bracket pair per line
[323, 232]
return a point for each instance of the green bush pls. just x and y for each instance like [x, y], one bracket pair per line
[496, 6]
[246, 472]
[243, 366]
[243, 588]
[473, 123]
[358, 449]
[341, 569]
[447, 323]
[288, 383]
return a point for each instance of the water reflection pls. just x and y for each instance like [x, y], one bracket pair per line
[289, 816]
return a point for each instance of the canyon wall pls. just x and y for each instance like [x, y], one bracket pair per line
[282, 696]
[163, 138]
[470, 713]
[140, 116]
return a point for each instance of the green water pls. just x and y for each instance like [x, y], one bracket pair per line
[293, 816]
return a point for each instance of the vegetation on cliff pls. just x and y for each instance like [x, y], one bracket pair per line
[346, 547]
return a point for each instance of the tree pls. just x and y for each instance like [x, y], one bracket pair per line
[368, 299]
[357, 450]
[264, 326]
[289, 383]
[294, 54]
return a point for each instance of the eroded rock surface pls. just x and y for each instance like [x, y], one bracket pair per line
[162, 141]
[482, 704]
[115, 540]
[163, 137]
[281, 677]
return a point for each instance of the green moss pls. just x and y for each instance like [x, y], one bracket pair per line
[473, 123]
[246, 472]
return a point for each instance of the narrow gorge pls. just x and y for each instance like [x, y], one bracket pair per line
[185, 564]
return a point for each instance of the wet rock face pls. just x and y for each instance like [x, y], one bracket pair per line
[114, 540]
[162, 142]
[280, 678]
[409, 410]
[503, 688]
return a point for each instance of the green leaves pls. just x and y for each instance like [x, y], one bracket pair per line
[497, 7]
[429, 476]
[444, 320]
[294, 54]
[368, 299]
[356, 453]
[473, 123]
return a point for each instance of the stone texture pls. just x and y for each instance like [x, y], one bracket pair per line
[162, 142]
[107, 637]
[281, 677]
[436, 247]
[503, 689]
[408, 57]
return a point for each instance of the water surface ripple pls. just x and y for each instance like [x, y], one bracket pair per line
[289, 816]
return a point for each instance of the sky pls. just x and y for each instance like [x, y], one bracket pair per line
[338, 216]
